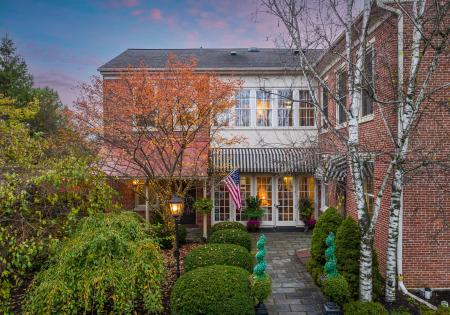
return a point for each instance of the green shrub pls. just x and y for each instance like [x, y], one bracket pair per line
[232, 236]
[347, 253]
[253, 209]
[164, 236]
[364, 308]
[441, 310]
[227, 225]
[347, 256]
[314, 269]
[213, 290]
[218, 254]
[336, 288]
[328, 222]
[400, 311]
[261, 288]
[110, 264]
[182, 233]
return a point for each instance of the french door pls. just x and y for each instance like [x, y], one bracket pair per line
[285, 201]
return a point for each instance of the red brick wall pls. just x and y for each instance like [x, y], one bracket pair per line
[426, 233]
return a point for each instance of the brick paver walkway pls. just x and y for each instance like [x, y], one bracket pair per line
[293, 290]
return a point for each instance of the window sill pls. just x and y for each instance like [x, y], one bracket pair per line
[366, 118]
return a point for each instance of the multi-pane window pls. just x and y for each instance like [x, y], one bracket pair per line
[367, 84]
[285, 111]
[369, 195]
[245, 193]
[264, 192]
[221, 203]
[324, 108]
[342, 94]
[285, 199]
[306, 188]
[242, 110]
[263, 108]
[306, 109]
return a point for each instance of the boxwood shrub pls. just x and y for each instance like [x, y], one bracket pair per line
[213, 290]
[336, 288]
[364, 308]
[226, 225]
[232, 236]
[347, 256]
[219, 254]
[110, 264]
[328, 222]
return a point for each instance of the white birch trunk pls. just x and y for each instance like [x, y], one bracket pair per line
[393, 229]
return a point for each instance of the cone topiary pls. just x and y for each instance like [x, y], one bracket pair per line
[260, 281]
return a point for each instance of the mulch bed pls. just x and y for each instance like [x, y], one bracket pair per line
[171, 269]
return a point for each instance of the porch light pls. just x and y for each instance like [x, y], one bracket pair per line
[176, 206]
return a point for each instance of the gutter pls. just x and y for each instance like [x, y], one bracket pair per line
[400, 43]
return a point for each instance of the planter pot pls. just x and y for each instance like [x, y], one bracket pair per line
[261, 309]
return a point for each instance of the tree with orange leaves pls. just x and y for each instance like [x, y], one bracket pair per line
[157, 126]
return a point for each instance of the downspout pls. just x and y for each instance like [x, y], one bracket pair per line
[401, 284]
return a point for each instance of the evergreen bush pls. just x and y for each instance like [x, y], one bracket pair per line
[261, 288]
[347, 255]
[213, 290]
[232, 236]
[315, 270]
[227, 225]
[364, 308]
[337, 289]
[328, 222]
[110, 264]
[218, 254]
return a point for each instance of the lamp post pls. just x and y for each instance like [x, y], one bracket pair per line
[176, 207]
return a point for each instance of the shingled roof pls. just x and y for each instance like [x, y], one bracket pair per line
[217, 58]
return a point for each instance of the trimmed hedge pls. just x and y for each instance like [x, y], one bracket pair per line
[213, 290]
[336, 288]
[219, 254]
[232, 236]
[347, 256]
[227, 225]
[328, 222]
[364, 308]
[110, 264]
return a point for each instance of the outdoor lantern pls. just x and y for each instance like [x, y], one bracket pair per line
[176, 206]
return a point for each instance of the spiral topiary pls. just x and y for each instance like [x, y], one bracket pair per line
[260, 268]
[330, 266]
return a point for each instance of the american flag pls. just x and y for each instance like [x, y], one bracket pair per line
[233, 183]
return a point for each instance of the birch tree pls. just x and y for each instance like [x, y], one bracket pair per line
[316, 25]
[429, 38]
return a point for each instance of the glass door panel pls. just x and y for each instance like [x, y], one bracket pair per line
[264, 192]
[285, 191]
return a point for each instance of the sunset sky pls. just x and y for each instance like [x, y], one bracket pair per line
[64, 42]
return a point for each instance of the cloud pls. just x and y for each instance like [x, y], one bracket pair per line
[59, 80]
[114, 4]
[156, 15]
[137, 12]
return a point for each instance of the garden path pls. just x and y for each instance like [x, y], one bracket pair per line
[293, 289]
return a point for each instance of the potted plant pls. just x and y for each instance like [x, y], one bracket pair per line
[306, 210]
[253, 212]
[204, 206]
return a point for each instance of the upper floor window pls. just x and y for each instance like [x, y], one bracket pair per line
[242, 110]
[367, 84]
[324, 108]
[285, 111]
[263, 108]
[342, 94]
[368, 185]
[145, 121]
[306, 109]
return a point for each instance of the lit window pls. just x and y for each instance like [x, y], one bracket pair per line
[306, 113]
[306, 188]
[285, 108]
[242, 109]
[264, 192]
[263, 108]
